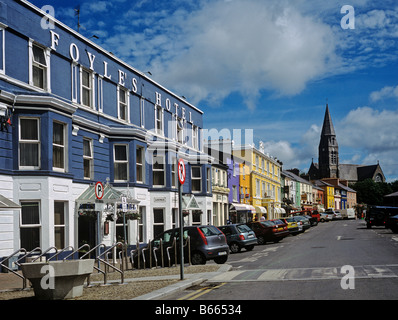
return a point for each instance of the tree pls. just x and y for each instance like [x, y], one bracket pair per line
[371, 192]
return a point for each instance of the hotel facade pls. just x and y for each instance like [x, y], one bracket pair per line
[73, 114]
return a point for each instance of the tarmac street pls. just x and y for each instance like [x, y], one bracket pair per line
[334, 260]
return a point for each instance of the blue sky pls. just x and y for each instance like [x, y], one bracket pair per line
[269, 66]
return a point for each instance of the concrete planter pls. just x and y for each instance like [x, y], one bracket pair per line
[58, 280]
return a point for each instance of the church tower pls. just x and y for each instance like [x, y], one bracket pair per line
[328, 149]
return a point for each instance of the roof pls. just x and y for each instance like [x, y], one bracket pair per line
[395, 194]
[110, 195]
[328, 128]
[6, 204]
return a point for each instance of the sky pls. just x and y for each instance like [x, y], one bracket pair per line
[266, 65]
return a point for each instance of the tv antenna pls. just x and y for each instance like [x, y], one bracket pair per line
[77, 13]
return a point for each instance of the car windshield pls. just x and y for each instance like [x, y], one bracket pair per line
[210, 230]
[278, 221]
[243, 228]
[267, 223]
[289, 220]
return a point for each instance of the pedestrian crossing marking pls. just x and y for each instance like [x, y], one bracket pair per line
[301, 274]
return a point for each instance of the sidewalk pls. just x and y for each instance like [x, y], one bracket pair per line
[11, 282]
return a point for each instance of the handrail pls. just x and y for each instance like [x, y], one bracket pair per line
[26, 254]
[110, 265]
[77, 250]
[9, 269]
[48, 250]
[168, 253]
[58, 253]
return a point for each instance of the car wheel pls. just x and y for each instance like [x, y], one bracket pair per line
[234, 247]
[221, 260]
[198, 258]
[260, 240]
[250, 248]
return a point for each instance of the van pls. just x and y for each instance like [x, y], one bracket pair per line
[348, 213]
[378, 215]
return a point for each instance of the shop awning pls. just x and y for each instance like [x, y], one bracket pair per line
[241, 207]
[238, 207]
[260, 210]
[7, 205]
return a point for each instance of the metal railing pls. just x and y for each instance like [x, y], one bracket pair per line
[141, 255]
[10, 270]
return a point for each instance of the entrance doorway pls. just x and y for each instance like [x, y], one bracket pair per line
[87, 231]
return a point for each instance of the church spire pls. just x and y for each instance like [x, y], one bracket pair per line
[328, 129]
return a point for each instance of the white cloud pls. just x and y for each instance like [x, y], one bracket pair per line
[384, 93]
[372, 134]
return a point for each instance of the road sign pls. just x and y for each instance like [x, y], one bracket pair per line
[99, 190]
[124, 204]
[181, 171]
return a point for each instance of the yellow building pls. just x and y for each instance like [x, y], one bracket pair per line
[260, 181]
[328, 191]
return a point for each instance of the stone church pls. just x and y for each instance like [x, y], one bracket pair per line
[328, 165]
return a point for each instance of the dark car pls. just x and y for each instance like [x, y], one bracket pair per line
[239, 236]
[206, 243]
[267, 231]
[304, 221]
[378, 215]
[392, 223]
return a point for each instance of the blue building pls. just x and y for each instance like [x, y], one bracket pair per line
[73, 114]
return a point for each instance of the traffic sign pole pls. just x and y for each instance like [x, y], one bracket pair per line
[181, 180]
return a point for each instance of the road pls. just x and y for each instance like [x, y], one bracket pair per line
[310, 266]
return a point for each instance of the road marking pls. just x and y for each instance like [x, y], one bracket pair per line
[300, 274]
[196, 294]
[339, 237]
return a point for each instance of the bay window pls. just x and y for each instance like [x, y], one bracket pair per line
[59, 146]
[121, 162]
[29, 143]
[30, 225]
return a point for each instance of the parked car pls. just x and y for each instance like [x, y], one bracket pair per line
[292, 226]
[267, 231]
[378, 215]
[206, 243]
[325, 217]
[305, 222]
[392, 223]
[337, 215]
[314, 214]
[239, 236]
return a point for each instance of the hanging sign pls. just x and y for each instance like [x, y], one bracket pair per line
[181, 171]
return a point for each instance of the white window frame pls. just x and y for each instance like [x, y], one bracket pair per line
[90, 89]
[142, 112]
[156, 159]
[140, 165]
[195, 137]
[89, 158]
[64, 147]
[63, 226]
[115, 162]
[125, 104]
[155, 224]
[30, 226]
[100, 94]
[174, 183]
[38, 142]
[3, 47]
[46, 68]
[197, 178]
[159, 121]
